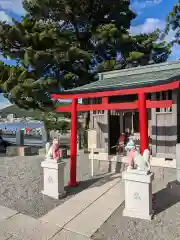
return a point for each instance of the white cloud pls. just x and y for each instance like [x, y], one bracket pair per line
[139, 5]
[4, 17]
[14, 6]
[149, 26]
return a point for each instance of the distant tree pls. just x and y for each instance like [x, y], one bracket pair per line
[173, 23]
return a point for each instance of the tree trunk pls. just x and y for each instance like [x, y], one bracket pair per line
[46, 135]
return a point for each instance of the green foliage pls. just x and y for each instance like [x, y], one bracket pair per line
[44, 54]
[18, 112]
[135, 50]
[84, 15]
[53, 121]
[102, 28]
[62, 126]
[172, 22]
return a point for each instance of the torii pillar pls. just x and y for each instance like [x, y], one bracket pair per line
[73, 142]
[143, 126]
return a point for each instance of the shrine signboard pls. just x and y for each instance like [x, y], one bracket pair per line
[92, 139]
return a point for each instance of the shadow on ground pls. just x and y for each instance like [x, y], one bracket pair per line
[166, 197]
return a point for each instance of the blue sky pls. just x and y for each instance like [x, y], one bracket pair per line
[151, 14]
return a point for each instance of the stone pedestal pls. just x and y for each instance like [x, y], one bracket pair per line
[21, 151]
[138, 194]
[53, 178]
[27, 151]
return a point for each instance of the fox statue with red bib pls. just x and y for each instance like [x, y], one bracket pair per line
[136, 161]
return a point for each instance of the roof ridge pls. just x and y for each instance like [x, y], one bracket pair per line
[140, 70]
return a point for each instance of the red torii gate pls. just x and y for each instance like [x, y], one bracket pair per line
[141, 104]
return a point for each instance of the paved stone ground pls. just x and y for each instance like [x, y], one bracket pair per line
[166, 222]
[21, 183]
[81, 208]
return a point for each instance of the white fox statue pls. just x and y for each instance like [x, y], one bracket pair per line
[135, 159]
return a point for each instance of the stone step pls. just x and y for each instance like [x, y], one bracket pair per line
[91, 219]
[27, 228]
[64, 213]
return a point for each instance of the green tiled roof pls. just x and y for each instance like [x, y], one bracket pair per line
[133, 78]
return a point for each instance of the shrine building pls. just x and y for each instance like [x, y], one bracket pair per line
[142, 100]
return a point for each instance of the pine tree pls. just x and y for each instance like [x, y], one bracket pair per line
[55, 43]
[133, 51]
[62, 44]
[46, 61]
[101, 28]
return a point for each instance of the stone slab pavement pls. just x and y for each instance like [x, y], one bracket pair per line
[21, 183]
[68, 235]
[96, 213]
[166, 222]
[28, 228]
[6, 213]
[64, 213]
[74, 219]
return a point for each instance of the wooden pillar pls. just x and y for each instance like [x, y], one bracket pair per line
[143, 128]
[178, 138]
[121, 122]
[73, 151]
[132, 123]
[153, 127]
[174, 130]
[105, 100]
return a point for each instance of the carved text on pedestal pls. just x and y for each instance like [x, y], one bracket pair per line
[136, 196]
[50, 180]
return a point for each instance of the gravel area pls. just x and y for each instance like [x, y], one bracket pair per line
[165, 224]
[21, 183]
